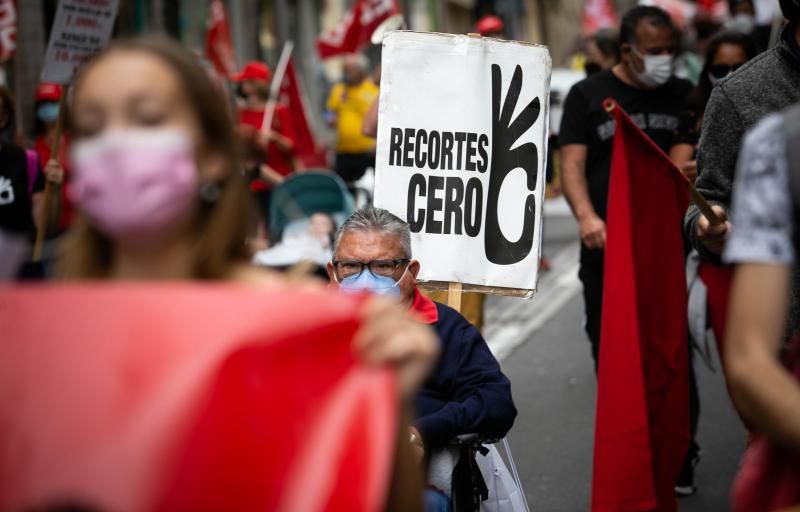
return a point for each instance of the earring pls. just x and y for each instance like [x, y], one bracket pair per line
[209, 192]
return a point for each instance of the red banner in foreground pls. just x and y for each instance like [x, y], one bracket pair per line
[188, 397]
[642, 419]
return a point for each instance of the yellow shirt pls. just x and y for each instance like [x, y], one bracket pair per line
[350, 103]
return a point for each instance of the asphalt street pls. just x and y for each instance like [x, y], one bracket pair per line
[544, 351]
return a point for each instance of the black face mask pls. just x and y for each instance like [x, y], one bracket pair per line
[591, 68]
[239, 91]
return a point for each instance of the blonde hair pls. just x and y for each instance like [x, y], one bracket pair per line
[220, 229]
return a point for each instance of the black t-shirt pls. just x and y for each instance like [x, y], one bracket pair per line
[656, 111]
[15, 201]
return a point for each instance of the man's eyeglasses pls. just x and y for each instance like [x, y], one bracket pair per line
[378, 268]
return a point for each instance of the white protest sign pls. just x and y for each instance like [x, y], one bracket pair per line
[462, 143]
[81, 29]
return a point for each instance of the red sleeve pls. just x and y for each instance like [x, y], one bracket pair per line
[286, 126]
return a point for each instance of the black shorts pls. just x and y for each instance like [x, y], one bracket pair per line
[352, 166]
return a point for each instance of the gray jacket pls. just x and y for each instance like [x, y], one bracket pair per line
[769, 83]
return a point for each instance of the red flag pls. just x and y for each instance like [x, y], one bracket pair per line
[219, 48]
[8, 29]
[356, 28]
[682, 12]
[189, 397]
[642, 419]
[718, 285]
[598, 14]
[310, 154]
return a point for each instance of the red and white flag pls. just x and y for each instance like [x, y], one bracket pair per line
[219, 47]
[310, 154]
[682, 12]
[8, 29]
[642, 419]
[355, 30]
[598, 14]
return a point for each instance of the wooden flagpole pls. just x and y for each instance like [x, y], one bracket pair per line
[50, 188]
[275, 86]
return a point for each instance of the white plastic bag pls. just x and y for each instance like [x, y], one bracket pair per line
[505, 495]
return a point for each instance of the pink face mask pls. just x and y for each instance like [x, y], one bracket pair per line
[135, 185]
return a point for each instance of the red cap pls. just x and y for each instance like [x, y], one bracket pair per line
[48, 92]
[253, 70]
[489, 25]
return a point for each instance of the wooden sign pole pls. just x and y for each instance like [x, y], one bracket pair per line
[454, 296]
[50, 188]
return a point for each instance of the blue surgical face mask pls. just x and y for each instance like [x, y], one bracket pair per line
[366, 281]
[47, 112]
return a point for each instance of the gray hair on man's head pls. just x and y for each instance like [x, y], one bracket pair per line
[359, 60]
[376, 220]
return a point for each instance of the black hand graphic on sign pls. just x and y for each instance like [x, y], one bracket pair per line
[505, 134]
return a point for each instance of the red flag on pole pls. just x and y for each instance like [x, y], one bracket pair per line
[718, 285]
[354, 31]
[8, 29]
[189, 397]
[642, 418]
[310, 154]
[598, 14]
[219, 47]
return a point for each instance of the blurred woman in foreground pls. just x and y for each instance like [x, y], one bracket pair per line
[158, 183]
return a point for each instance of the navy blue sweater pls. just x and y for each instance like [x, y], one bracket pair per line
[467, 392]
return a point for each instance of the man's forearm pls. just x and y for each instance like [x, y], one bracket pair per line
[576, 191]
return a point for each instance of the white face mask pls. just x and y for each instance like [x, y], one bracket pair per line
[657, 70]
[742, 23]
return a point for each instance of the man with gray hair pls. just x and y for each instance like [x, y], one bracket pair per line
[467, 392]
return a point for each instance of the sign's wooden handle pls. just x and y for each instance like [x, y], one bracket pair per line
[454, 296]
[50, 188]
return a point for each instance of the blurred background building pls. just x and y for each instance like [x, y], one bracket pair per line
[260, 27]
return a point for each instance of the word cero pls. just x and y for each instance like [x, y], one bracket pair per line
[460, 199]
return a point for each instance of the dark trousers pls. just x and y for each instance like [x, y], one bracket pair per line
[591, 276]
[352, 166]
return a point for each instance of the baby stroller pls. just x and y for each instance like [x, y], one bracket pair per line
[305, 194]
[295, 205]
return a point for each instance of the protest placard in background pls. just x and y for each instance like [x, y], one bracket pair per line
[462, 142]
[81, 29]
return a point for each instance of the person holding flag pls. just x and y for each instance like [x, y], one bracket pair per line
[736, 105]
[161, 198]
[269, 150]
[644, 86]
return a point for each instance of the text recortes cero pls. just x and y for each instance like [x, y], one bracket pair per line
[462, 201]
